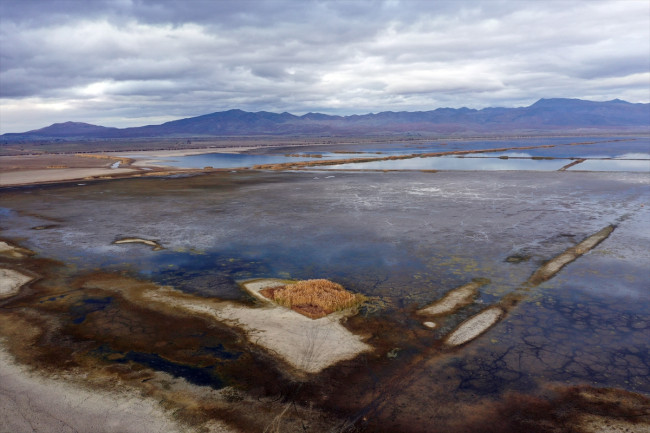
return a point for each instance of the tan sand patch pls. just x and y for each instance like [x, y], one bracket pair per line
[49, 405]
[255, 286]
[309, 345]
[453, 300]
[48, 160]
[602, 424]
[474, 326]
[25, 177]
[14, 252]
[11, 281]
[156, 246]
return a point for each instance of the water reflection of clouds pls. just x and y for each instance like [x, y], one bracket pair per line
[634, 156]
[627, 162]
[504, 161]
[454, 163]
[499, 154]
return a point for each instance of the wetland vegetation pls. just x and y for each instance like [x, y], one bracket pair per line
[457, 301]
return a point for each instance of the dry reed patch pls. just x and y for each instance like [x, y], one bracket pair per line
[313, 298]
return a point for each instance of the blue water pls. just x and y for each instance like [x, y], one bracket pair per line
[406, 238]
[240, 160]
[455, 163]
[565, 147]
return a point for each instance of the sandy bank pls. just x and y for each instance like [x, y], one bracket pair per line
[32, 403]
[27, 177]
[11, 281]
[309, 345]
[13, 252]
[254, 287]
[453, 300]
[474, 326]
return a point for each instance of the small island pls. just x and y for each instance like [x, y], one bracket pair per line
[313, 298]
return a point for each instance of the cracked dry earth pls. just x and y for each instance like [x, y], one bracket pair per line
[85, 350]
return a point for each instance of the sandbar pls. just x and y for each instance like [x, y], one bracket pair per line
[453, 300]
[474, 326]
[11, 281]
[553, 266]
[156, 246]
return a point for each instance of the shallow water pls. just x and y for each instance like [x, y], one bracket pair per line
[406, 238]
[457, 163]
[563, 147]
[239, 160]
[505, 161]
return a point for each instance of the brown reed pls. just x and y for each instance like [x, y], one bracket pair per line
[313, 298]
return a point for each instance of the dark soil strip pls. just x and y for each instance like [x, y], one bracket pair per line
[571, 164]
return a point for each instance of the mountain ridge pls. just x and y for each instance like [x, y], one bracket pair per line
[552, 114]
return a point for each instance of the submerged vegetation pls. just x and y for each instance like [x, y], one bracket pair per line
[313, 298]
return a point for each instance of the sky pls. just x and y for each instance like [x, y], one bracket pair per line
[136, 62]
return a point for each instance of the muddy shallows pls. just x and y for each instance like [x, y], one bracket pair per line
[135, 294]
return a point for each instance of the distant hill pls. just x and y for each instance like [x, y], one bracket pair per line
[545, 115]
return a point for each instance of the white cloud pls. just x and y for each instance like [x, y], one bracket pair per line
[113, 63]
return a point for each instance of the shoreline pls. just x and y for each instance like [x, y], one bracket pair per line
[37, 398]
[141, 163]
[185, 152]
[150, 158]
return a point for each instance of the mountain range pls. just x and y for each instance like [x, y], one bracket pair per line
[543, 116]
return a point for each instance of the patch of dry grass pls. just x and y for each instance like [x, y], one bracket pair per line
[313, 298]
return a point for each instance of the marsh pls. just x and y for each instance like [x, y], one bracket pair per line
[404, 240]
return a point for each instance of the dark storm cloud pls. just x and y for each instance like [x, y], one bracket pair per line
[110, 61]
